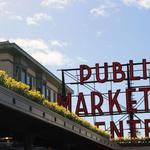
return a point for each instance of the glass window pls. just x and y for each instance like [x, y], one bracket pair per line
[48, 94]
[34, 81]
[23, 75]
[39, 84]
[18, 73]
[44, 89]
[30, 81]
[54, 97]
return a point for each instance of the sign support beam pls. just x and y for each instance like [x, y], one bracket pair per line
[131, 115]
[63, 94]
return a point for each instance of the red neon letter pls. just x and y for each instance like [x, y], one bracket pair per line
[147, 128]
[84, 108]
[97, 124]
[133, 126]
[113, 101]
[145, 90]
[98, 106]
[105, 73]
[67, 103]
[117, 69]
[129, 100]
[82, 77]
[113, 129]
[132, 77]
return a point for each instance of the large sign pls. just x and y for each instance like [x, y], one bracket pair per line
[131, 83]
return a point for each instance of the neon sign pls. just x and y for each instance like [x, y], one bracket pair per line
[116, 73]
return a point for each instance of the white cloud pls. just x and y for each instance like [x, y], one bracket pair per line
[98, 11]
[59, 4]
[37, 18]
[138, 3]
[2, 39]
[46, 52]
[16, 17]
[129, 2]
[104, 9]
[5, 12]
[58, 44]
[31, 44]
[42, 51]
[81, 60]
[76, 61]
[3, 3]
[3, 8]
[50, 57]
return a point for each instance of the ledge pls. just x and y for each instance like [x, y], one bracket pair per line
[24, 105]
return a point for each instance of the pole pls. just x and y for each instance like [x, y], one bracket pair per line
[131, 115]
[63, 87]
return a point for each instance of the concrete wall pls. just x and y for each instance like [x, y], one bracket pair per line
[11, 56]
[23, 105]
[136, 148]
[7, 66]
[6, 63]
[6, 56]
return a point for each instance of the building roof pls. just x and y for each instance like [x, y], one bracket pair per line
[7, 44]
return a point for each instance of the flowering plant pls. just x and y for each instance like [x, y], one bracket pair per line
[137, 140]
[36, 96]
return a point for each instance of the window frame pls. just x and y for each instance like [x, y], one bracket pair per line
[31, 80]
[25, 75]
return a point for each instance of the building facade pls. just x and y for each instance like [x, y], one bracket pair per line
[22, 67]
[26, 125]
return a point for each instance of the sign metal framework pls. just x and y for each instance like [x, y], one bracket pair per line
[111, 95]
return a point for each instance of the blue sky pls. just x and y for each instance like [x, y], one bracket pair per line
[66, 33]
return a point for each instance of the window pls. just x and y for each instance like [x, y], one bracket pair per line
[23, 75]
[44, 89]
[48, 94]
[39, 84]
[18, 73]
[30, 80]
[53, 96]
[34, 82]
